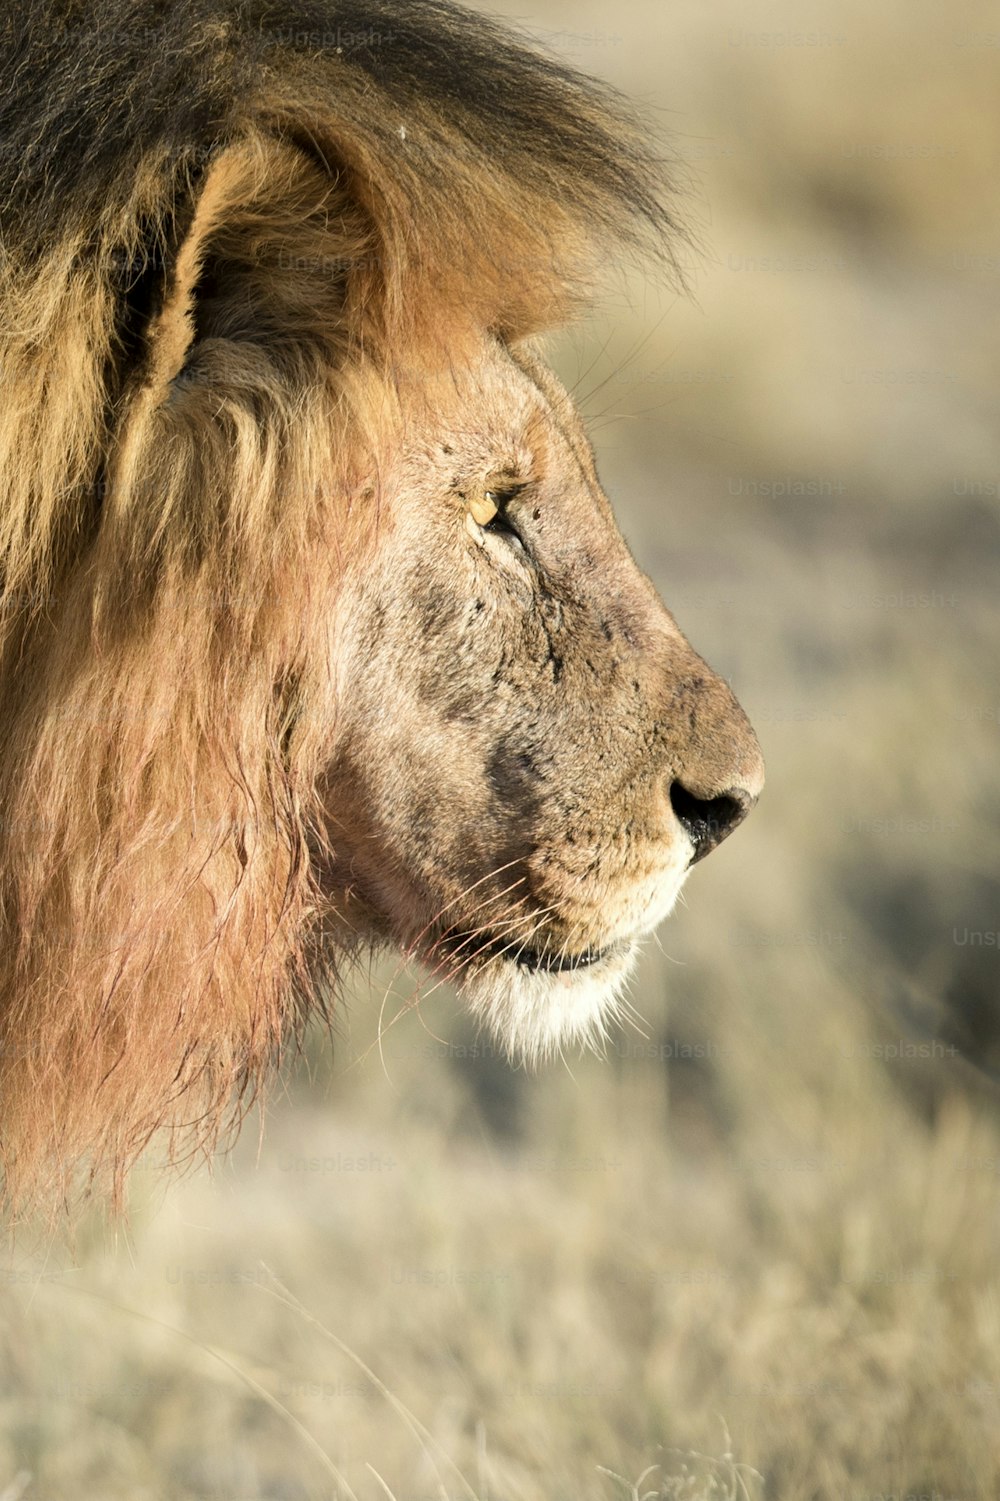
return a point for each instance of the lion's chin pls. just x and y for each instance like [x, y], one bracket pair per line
[534, 1012]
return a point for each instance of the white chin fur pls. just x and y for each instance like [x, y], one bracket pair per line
[534, 1014]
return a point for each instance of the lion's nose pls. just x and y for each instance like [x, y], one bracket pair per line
[712, 769]
[708, 821]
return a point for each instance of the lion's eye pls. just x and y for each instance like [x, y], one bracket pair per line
[501, 522]
[489, 511]
[484, 507]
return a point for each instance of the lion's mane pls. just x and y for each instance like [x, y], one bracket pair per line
[222, 226]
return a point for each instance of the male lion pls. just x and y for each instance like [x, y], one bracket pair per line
[315, 626]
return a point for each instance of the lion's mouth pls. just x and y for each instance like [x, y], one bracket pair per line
[480, 947]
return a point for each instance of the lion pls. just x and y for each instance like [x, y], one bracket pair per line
[316, 629]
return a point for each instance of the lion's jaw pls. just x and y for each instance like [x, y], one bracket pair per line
[516, 713]
[538, 1003]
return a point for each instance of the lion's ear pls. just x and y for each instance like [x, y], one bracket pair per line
[261, 270]
[172, 331]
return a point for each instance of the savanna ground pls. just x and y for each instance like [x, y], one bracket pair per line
[753, 1253]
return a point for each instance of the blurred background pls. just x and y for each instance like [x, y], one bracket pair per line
[753, 1252]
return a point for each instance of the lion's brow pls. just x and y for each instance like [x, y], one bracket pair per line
[573, 436]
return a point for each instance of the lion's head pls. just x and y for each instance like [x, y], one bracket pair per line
[530, 756]
[316, 627]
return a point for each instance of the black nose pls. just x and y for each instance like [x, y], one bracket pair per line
[709, 820]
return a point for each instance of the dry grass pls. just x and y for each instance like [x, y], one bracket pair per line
[760, 1241]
